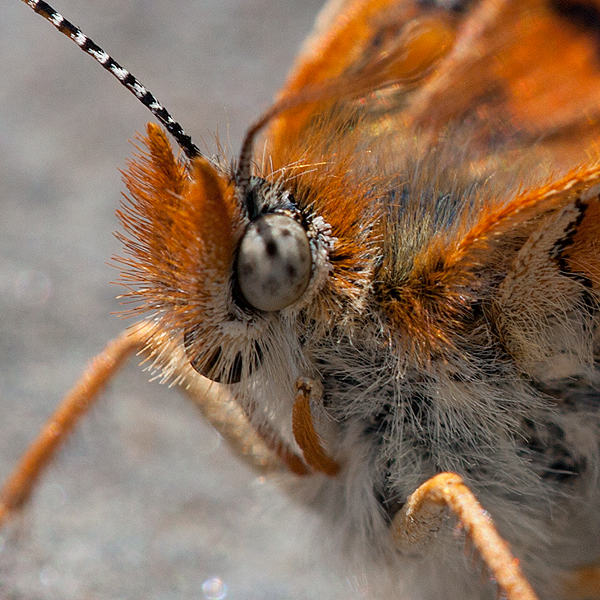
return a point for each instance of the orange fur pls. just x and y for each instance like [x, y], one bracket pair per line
[181, 230]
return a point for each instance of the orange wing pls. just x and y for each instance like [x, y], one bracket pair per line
[518, 72]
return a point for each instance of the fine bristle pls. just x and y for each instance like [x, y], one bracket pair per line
[125, 77]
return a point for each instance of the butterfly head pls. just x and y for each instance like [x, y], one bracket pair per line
[229, 268]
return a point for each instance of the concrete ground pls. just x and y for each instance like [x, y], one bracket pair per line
[145, 501]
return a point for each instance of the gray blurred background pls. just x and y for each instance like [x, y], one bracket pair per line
[145, 501]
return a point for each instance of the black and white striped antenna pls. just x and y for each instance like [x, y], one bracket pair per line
[124, 76]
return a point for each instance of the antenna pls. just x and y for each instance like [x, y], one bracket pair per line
[125, 77]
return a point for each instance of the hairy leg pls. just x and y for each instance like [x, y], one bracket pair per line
[220, 409]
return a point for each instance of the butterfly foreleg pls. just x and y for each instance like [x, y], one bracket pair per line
[218, 407]
[20, 484]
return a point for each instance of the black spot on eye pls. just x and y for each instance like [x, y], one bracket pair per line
[247, 269]
[263, 227]
[291, 271]
[271, 248]
[271, 287]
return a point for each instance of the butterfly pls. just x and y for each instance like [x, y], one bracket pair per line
[440, 191]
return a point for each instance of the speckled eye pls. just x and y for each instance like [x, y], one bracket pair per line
[274, 262]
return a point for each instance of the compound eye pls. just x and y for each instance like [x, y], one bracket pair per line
[274, 262]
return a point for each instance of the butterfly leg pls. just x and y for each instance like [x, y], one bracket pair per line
[259, 446]
[304, 430]
[19, 486]
[421, 518]
[217, 407]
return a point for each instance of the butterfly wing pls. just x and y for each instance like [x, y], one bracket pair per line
[510, 84]
[518, 73]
